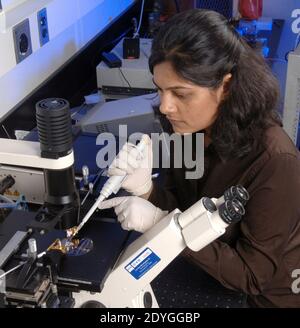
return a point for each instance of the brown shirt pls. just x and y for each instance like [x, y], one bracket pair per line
[258, 254]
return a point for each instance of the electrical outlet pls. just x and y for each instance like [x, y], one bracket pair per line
[43, 26]
[22, 40]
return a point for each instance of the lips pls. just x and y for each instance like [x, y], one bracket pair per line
[172, 120]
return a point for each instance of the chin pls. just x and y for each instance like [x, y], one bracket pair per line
[182, 131]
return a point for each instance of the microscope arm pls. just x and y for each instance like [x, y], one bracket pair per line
[28, 154]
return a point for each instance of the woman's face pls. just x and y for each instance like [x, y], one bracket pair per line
[188, 107]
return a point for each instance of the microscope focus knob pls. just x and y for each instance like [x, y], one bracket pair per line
[92, 305]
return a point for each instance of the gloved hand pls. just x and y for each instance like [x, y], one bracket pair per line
[137, 166]
[134, 213]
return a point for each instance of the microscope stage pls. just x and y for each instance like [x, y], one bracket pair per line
[83, 272]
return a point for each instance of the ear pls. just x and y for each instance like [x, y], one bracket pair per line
[227, 78]
[222, 90]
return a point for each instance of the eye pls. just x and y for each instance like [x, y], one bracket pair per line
[179, 95]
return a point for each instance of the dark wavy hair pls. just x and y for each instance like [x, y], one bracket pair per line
[203, 47]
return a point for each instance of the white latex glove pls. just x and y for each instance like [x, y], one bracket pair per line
[137, 166]
[134, 213]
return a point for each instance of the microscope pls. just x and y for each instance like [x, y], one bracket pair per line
[54, 155]
[54, 258]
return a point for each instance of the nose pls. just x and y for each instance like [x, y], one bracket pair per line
[167, 105]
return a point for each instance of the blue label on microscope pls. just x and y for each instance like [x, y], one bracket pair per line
[145, 261]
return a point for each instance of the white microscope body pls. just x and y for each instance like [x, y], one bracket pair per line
[152, 252]
[128, 284]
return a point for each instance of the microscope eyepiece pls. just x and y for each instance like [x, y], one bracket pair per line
[231, 211]
[242, 194]
[237, 192]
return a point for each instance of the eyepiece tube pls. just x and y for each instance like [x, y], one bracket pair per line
[237, 192]
[231, 211]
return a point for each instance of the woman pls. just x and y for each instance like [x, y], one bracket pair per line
[209, 80]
